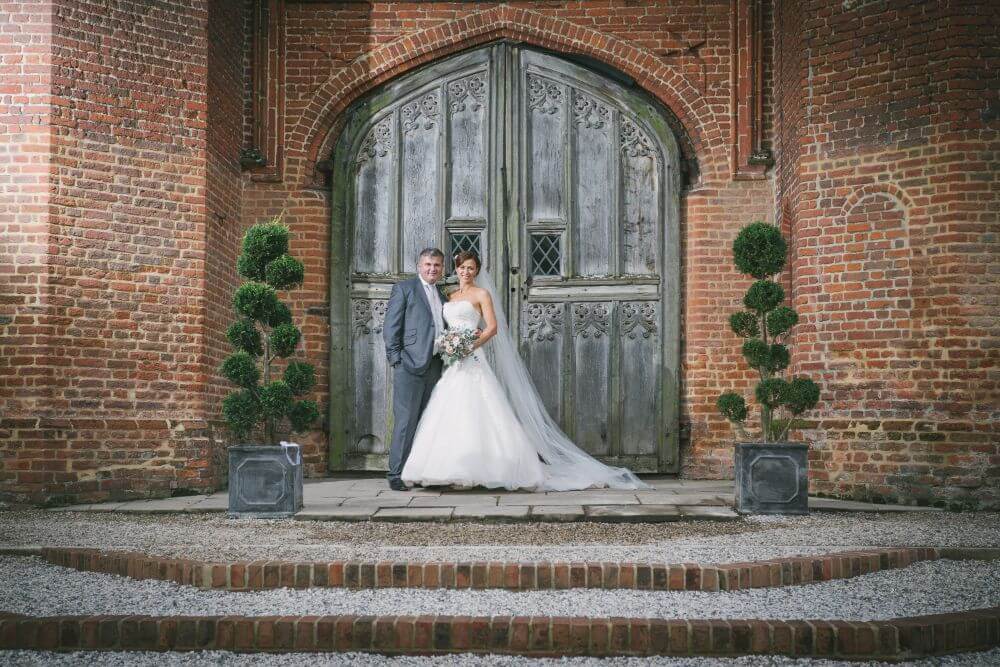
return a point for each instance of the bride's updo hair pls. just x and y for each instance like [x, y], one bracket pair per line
[464, 256]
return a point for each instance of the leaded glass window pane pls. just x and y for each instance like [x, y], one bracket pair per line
[459, 241]
[546, 255]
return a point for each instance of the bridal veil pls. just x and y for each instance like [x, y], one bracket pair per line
[566, 465]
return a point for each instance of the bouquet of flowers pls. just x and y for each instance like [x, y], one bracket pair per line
[456, 344]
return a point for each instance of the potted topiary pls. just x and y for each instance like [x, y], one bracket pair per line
[771, 474]
[265, 478]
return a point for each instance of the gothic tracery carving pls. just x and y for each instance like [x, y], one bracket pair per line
[544, 321]
[638, 318]
[368, 316]
[590, 320]
[469, 90]
[378, 143]
[422, 113]
[635, 142]
[589, 112]
[544, 95]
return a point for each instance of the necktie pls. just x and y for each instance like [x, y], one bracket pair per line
[435, 303]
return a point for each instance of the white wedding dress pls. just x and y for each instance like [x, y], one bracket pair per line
[468, 434]
[487, 426]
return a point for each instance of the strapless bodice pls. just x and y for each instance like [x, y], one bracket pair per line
[461, 315]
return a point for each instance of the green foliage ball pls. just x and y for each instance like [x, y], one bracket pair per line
[241, 412]
[771, 392]
[280, 315]
[778, 358]
[241, 369]
[802, 394]
[744, 324]
[759, 250]
[300, 377]
[284, 272]
[732, 406]
[243, 335]
[781, 320]
[302, 415]
[757, 353]
[261, 244]
[250, 268]
[764, 296]
[255, 300]
[284, 338]
[276, 399]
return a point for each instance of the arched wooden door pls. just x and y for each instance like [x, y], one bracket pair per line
[566, 182]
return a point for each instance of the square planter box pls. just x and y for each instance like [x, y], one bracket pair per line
[265, 482]
[772, 478]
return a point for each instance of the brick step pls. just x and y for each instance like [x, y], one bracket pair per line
[895, 639]
[262, 575]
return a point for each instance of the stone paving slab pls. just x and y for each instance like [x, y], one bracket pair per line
[539, 500]
[362, 499]
[453, 501]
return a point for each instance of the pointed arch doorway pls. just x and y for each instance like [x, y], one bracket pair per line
[567, 184]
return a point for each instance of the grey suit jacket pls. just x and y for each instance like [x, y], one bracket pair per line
[408, 331]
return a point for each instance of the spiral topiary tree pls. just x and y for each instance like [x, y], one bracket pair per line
[263, 333]
[759, 250]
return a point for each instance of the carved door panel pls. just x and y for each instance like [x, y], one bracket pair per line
[597, 260]
[565, 182]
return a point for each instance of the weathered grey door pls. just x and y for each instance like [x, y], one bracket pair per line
[565, 181]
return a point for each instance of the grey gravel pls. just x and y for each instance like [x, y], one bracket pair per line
[32, 587]
[224, 659]
[217, 538]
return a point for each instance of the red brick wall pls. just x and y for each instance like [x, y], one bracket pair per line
[228, 50]
[896, 270]
[25, 138]
[123, 410]
[879, 114]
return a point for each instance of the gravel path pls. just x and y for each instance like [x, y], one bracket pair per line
[222, 659]
[218, 538]
[30, 586]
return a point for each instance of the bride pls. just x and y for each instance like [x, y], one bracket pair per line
[486, 426]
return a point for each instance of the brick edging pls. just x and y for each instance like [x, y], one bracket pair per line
[538, 575]
[521, 635]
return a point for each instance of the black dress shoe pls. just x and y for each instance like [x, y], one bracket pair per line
[397, 485]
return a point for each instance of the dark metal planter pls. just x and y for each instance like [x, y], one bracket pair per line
[265, 482]
[772, 478]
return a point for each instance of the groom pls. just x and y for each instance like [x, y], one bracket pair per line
[413, 320]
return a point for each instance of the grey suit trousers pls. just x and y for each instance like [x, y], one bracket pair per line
[410, 394]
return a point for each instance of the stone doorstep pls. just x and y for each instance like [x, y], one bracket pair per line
[919, 636]
[682, 499]
[838, 505]
[335, 513]
[633, 513]
[490, 512]
[515, 575]
[403, 514]
[555, 513]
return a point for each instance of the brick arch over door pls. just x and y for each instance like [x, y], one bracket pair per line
[701, 138]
